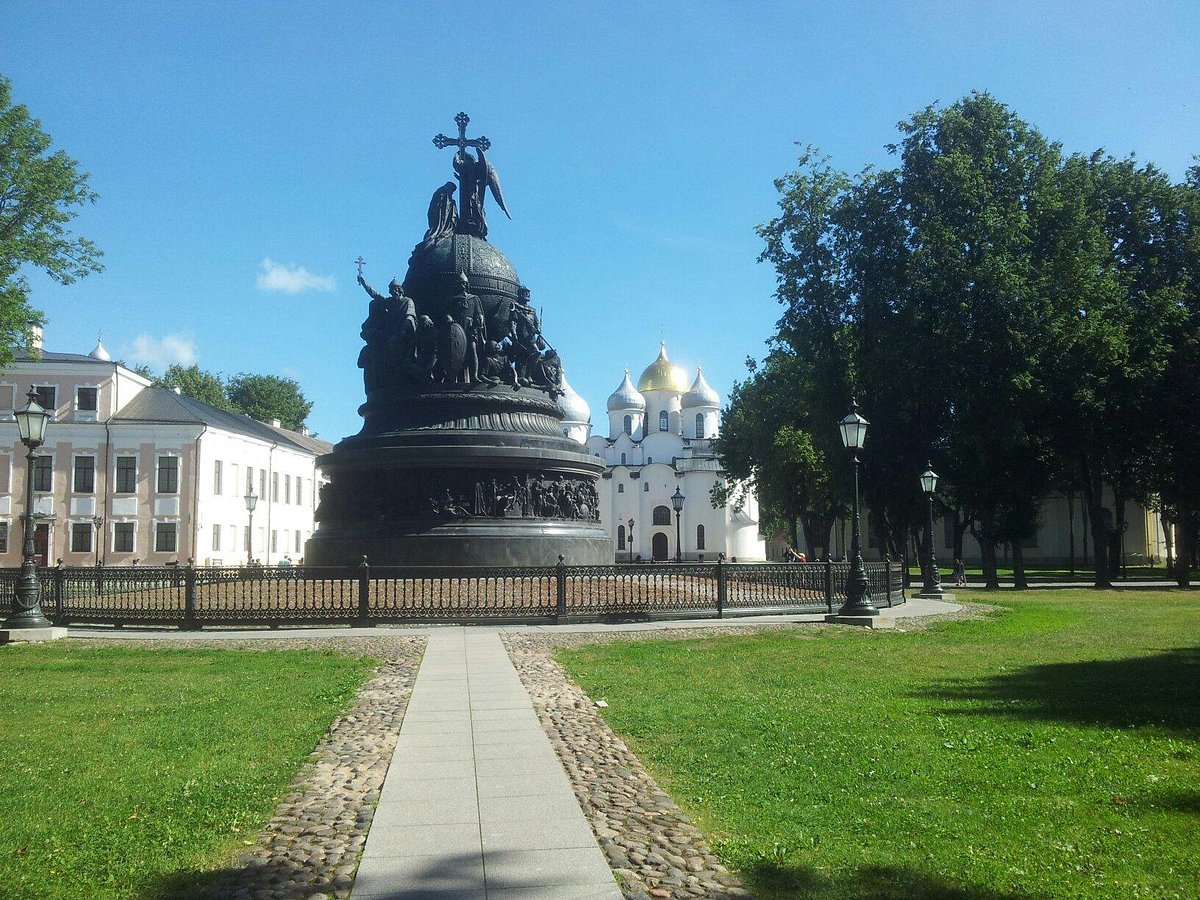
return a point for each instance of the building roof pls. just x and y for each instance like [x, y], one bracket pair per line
[663, 375]
[574, 408]
[155, 404]
[700, 394]
[626, 397]
[22, 355]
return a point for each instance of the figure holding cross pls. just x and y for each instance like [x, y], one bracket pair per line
[475, 178]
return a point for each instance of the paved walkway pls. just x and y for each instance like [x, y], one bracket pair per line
[476, 804]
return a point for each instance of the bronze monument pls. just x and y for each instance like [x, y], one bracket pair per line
[461, 459]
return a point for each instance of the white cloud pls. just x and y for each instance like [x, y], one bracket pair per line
[291, 279]
[158, 353]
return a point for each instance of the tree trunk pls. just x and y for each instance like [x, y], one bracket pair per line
[1185, 547]
[1019, 580]
[1093, 495]
[1071, 528]
[1168, 538]
[987, 551]
[1117, 538]
[960, 530]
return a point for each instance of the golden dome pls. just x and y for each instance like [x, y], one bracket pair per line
[663, 375]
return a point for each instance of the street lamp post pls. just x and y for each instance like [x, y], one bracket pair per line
[251, 499]
[97, 524]
[933, 583]
[27, 608]
[854, 434]
[631, 540]
[677, 501]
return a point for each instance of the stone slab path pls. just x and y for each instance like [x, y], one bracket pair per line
[475, 804]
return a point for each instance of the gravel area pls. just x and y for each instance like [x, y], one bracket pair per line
[311, 846]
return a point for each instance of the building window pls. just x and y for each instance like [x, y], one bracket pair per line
[47, 398]
[3, 537]
[216, 536]
[249, 479]
[262, 482]
[646, 488]
[274, 541]
[629, 424]
[287, 488]
[700, 429]
[217, 478]
[168, 474]
[699, 537]
[297, 540]
[649, 460]
[5, 473]
[126, 474]
[85, 399]
[663, 421]
[620, 537]
[620, 488]
[7, 393]
[299, 492]
[123, 537]
[662, 515]
[246, 539]
[85, 475]
[164, 537]
[622, 459]
[43, 473]
[274, 487]
[81, 537]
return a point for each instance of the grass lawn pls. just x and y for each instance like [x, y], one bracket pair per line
[122, 770]
[1049, 750]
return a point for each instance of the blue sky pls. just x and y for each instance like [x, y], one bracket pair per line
[239, 147]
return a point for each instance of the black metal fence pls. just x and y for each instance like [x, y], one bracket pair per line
[191, 596]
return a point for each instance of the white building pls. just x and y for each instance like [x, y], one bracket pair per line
[659, 441]
[134, 473]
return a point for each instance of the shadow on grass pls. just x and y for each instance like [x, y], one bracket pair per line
[221, 884]
[1157, 691]
[774, 881]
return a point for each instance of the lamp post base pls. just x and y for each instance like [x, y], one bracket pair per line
[875, 621]
[31, 635]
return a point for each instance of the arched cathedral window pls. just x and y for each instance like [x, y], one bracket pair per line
[629, 424]
[700, 425]
[662, 421]
[620, 537]
[662, 515]
[699, 537]
[620, 488]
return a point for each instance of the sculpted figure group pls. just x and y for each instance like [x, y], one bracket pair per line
[462, 345]
[494, 496]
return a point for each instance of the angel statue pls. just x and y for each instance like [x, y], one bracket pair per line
[475, 177]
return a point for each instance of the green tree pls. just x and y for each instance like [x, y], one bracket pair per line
[196, 383]
[267, 397]
[39, 193]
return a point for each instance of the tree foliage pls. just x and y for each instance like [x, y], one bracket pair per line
[39, 195]
[198, 384]
[1022, 320]
[267, 397]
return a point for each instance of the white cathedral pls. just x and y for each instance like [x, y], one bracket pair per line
[658, 456]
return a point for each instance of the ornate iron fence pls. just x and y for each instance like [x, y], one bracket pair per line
[191, 596]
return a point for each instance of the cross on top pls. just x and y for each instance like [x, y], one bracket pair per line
[462, 142]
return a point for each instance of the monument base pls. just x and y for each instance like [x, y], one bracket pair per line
[519, 542]
[31, 635]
